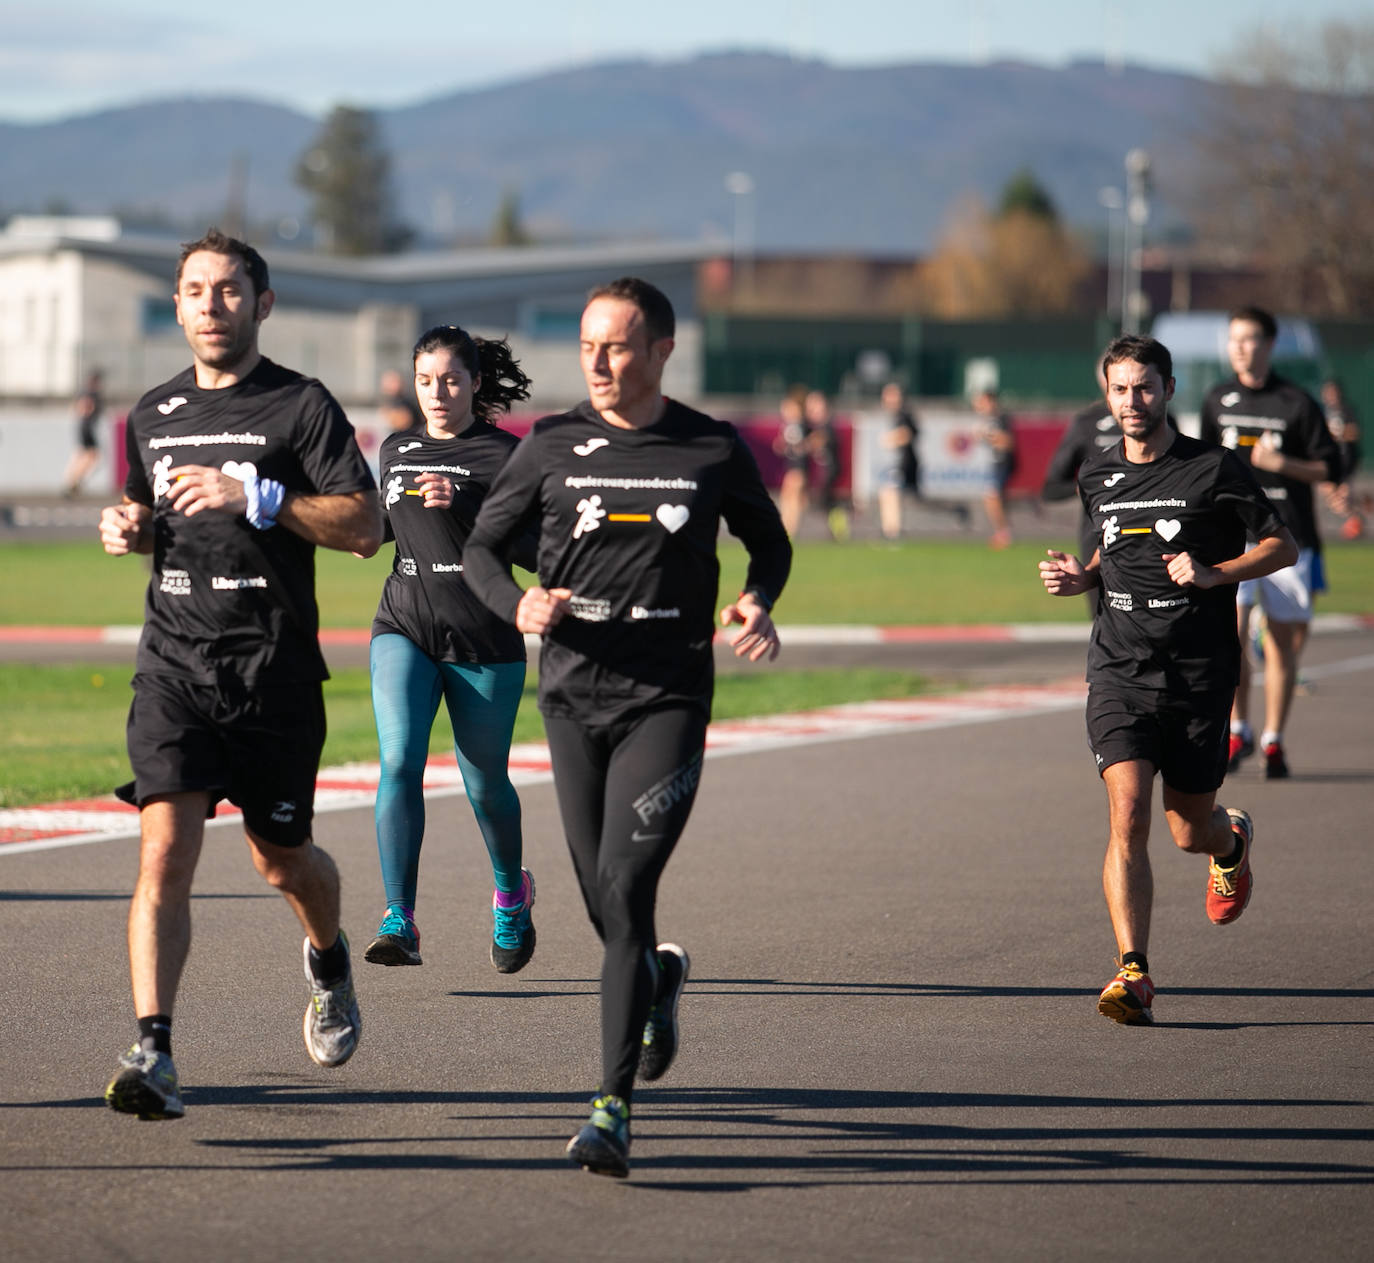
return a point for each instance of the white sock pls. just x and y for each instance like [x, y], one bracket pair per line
[1271, 738]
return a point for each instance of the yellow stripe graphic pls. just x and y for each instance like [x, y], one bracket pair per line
[1136, 530]
[629, 517]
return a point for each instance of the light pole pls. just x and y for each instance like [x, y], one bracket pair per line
[1113, 202]
[740, 184]
[1137, 212]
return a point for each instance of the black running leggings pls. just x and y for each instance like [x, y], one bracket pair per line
[625, 792]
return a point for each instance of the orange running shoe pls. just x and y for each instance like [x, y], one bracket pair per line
[1228, 889]
[1128, 997]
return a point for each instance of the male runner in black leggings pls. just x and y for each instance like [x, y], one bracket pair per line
[628, 491]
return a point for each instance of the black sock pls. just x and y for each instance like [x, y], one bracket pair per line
[1137, 959]
[330, 965]
[1230, 861]
[155, 1033]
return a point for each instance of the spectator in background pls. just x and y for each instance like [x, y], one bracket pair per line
[791, 445]
[1344, 425]
[397, 406]
[901, 465]
[88, 407]
[823, 440]
[996, 432]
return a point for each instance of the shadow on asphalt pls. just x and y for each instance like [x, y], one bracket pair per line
[778, 987]
[103, 896]
[808, 1138]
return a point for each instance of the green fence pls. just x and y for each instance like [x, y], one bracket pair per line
[1049, 361]
[1042, 360]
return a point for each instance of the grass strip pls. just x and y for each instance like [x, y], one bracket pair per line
[64, 733]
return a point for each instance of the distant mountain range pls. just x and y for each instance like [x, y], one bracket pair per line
[841, 159]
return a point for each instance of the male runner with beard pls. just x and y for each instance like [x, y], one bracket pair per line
[238, 469]
[1171, 516]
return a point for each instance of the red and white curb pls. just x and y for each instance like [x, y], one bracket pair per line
[352, 785]
[792, 634]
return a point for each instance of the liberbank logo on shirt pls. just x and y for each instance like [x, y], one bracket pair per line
[224, 583]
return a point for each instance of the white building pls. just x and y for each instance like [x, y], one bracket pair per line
[77, 294]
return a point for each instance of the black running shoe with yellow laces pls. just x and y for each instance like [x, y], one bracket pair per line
[660, 1031]
[603, 1145]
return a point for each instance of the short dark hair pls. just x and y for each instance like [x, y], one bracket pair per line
[503, 381]
[653, 304]
[1268, 325]
[217, 242]
[1140, 350]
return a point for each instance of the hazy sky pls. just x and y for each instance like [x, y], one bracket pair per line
[70, 56]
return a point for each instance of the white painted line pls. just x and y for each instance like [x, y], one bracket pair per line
[355, 784]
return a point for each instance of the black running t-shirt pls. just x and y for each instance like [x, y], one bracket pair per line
[628, 519]
[426, 596]
[1283, 415]
[1149, 633]
[227, 600]
[1092, 430]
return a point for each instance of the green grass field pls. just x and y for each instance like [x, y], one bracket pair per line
[915, 581]
[63, 735]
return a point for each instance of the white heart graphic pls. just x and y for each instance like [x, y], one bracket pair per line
[1168, 527]
[673, 517]
[238, 469]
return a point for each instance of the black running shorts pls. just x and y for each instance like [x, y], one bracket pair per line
[259, 749]
[1184, 738]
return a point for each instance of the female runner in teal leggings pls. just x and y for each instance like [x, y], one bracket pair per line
[433, 639]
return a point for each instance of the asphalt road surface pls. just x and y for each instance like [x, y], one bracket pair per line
[890, 1045]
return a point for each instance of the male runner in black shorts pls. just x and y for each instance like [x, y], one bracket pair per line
[238, 468]
[1278, 429]
[628, 491]
[1171, 515]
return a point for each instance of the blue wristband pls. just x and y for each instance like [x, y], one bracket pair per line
[265, 498]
